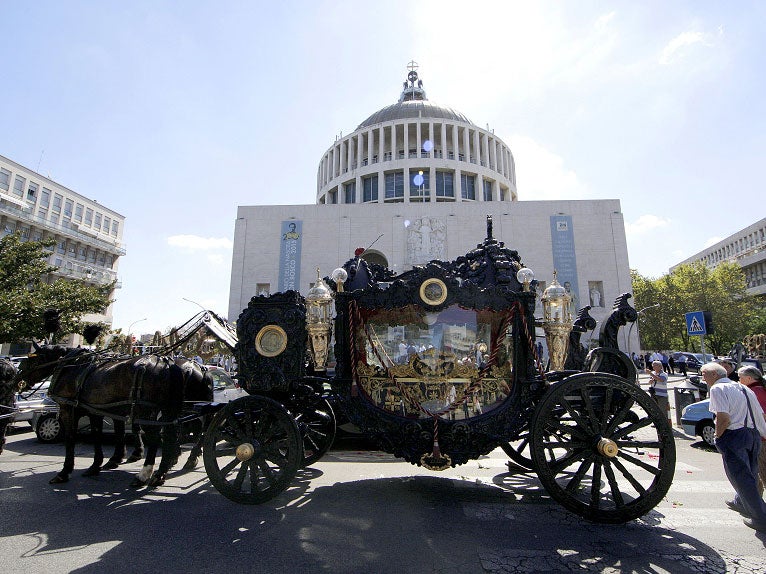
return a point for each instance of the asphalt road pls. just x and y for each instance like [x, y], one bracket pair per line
[357, 511]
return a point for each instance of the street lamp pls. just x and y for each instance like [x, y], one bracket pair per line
[638, 314]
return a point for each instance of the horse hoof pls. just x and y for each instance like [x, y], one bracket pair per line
[137, 483]
[59, 479]
[110, 465]
[156, 481]
[92, 471]
[133, 458]
[190, 464]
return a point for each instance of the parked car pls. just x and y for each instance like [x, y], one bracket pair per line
[46, 424]
[751, 362]
[697, 420]
[692, 362]
[706, 358]
[28, 401]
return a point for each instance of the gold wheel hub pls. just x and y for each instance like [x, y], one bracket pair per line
[245, 451]
[607, 447]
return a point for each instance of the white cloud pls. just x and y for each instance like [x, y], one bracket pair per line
[645, 223]
[196, 243]
[542, 174]
[674, 48]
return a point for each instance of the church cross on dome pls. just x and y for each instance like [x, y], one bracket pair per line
[414, 89]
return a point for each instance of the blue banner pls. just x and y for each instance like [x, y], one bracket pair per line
[564, 259]
[290, 255]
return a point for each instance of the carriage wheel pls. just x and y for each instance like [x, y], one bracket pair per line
[252, 450]
[602, 448]
[518, 450]
[317, 427]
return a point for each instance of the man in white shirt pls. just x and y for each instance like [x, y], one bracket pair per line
[739, 426]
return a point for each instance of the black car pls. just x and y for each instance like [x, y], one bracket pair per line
[692, 362]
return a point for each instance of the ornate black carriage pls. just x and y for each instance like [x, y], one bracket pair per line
[437, 366]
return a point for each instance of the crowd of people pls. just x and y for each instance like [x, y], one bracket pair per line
[740, 434]
[738, 401]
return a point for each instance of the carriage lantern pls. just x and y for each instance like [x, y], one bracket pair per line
[557, 322]
[319, 321]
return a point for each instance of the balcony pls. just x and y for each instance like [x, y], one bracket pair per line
[110, 246]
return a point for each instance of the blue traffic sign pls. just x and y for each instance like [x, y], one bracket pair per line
[695, 323]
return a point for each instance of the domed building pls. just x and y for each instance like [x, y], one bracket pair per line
[415, 182]
[416, 151]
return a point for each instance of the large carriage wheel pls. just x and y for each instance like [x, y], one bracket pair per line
[602, 448]
[518, 450]
[252, 450]
[316, 424]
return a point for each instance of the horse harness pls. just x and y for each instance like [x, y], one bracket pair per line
[135, 398]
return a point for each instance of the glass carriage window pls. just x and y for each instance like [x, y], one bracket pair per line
[349, 192]
[395, 184]
[468, 186]
[370, 188]
[455, 363]
[445, 184]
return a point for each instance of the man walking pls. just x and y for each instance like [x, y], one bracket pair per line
[739, 426]
[659, 388]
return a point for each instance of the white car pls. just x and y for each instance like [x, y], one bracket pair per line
[27, 402]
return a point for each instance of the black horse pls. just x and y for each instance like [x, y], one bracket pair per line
[152, 389]
[7, 392]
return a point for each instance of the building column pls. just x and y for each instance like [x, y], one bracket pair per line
[419, 137]
[458, 185]
[455, 142]
[406, 140]
[444, 140]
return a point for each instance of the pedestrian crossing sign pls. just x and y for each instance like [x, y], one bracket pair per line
[695, 323]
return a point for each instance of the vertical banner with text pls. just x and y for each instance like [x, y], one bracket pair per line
[564, 259]
[290, 255]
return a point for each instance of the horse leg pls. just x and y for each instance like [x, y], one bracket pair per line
[196, 451]
[152, 444]
[68, 419]
[119, 446]
[138, 448]
[170, 446]
[97, 434]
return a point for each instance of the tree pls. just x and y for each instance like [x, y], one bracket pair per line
[26, 291]
[695, 287]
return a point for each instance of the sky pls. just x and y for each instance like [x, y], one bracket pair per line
[175, 113]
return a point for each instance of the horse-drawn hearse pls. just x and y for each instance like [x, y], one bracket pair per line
[437, 366]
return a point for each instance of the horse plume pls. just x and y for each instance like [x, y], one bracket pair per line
[51, 321]
[91, 333]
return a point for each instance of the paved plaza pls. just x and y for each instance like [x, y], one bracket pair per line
[358, 511]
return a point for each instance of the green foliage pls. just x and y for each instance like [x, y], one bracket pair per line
[26, 291]
[694, 287]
